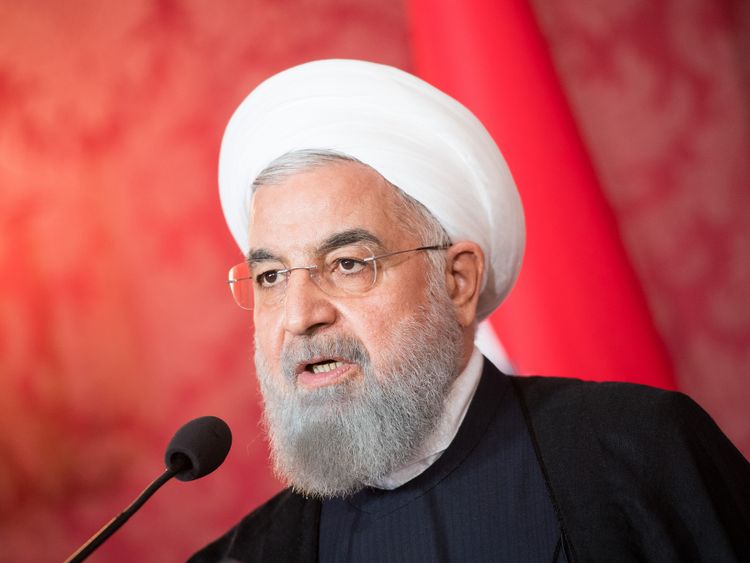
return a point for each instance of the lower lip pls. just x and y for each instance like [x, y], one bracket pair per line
[311, 379]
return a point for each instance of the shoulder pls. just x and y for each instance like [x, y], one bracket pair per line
[263, 530]
[281, 506]
[647, 430]
[554, 389]
[612, 403]
[644, 459]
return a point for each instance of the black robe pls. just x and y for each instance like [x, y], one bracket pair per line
[634, 474]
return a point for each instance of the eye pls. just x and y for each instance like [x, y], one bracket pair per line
[269, 279]
[348, 266]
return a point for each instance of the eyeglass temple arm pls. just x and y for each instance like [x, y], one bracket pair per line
[432, 247]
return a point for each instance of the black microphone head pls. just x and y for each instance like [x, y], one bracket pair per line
[204, 442]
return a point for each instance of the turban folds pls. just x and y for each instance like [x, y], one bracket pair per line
[414, 135]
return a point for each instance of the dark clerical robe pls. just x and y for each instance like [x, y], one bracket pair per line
[630, 473]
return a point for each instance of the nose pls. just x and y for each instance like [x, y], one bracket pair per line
[306, 308]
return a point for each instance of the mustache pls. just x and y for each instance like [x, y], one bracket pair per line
[302, 349]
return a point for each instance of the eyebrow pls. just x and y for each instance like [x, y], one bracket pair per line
[345, 238]
[336, 240]
[261, 255]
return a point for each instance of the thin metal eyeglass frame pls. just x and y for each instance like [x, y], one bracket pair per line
[374, 259]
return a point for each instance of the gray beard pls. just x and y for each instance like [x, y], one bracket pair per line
[334, 440]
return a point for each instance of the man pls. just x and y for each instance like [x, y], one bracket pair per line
[380, 224]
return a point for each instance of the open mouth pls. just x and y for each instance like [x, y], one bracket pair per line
[324, 366]
[324, 371]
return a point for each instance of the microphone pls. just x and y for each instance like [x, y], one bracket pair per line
[196, 449]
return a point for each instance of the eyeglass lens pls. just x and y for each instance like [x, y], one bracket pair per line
[349, 270]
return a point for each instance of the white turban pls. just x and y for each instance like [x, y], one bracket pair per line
[415, 136]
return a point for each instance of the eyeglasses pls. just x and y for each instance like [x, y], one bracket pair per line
[350, 270]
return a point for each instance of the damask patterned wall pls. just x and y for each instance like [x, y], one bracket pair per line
[115, 323]
[661, 93]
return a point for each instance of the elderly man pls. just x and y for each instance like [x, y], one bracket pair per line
[380, 224]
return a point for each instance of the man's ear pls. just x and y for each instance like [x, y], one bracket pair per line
[464, 271]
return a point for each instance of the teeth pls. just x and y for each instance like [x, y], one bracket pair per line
[328, 366]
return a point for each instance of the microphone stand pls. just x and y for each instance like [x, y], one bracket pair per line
[179, 464]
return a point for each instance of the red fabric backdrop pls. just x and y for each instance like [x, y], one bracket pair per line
[115, 322]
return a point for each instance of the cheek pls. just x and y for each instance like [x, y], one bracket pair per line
[377, 322]
[268, 337]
